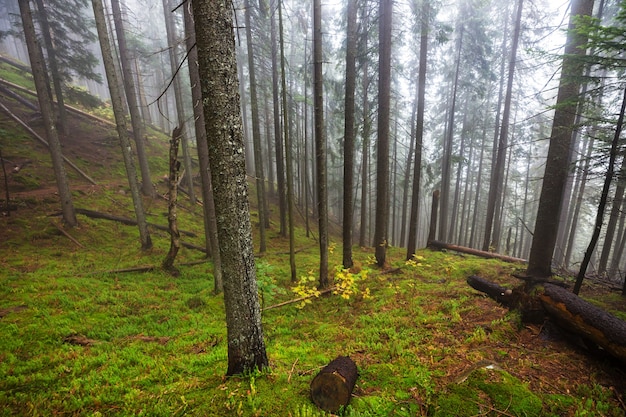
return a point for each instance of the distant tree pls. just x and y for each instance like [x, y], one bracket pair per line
[320, 143]
[131, 96]
[349, 132]
[222, 112]
[45, 105]
[555, 175]
[382, 155]
[120, 123]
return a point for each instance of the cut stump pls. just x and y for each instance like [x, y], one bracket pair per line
[332, 387]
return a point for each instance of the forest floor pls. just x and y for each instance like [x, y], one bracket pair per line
[80, 337]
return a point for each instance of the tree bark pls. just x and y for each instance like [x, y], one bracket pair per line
[168, 262]
[555, 175]
[120, 122]
[332, 387]
[45, 105]
[222, 112]
[483, 254]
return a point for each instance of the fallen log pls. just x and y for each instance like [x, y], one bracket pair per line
[332, 387]
[435, 244]
[540, 300]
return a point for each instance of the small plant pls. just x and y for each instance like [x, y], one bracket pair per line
[347, 283]
[415, 261]
[266, 283]
[305, 289]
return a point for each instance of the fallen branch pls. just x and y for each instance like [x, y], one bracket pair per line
[470, 251]
[296, 300]
[67, 235]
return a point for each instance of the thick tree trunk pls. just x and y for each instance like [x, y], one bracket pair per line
[222, 112]
[555, 175]
[332, 387]
[120, 122]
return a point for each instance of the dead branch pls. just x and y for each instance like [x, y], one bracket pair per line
[67, 235]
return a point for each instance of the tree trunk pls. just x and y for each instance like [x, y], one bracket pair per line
[222, 112]
[320, 143]
[364, 61]
[174, 174]
[45, 105]
[382, 155]
[349, 133]
[208, 206]
[555, 175]
[256, 132]
[332, 387]
[131, 96]
[120, 122]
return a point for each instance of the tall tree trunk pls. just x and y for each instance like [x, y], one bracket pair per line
[382, 154]
[555, 175]
[288, 148]
[365, 133]
[208, 206]
[419, 129]
[178, 98]
[349, 134]
[131, 96]
[495, 187]
[45, 105]
[256, 133]
[120, 123]
[278, 135]
[603, 198]
[320, 143]
[222, 112]
[613, 217]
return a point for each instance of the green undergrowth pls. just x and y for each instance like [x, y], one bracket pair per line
[81, 337]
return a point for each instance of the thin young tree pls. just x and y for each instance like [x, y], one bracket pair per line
[556, 171]
[131, 96]
[45, 106]
[382, 155]
[320, 143]
[120, 122]
[349, 133]
[256, 130]
[222, 112]
[419, 128]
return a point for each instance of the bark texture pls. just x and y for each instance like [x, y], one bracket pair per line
[221, 103]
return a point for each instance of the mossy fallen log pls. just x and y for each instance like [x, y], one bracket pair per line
[332, 386]
[540, 300]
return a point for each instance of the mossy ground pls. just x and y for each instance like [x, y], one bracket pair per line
[81, 338]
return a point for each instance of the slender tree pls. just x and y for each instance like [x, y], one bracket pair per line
[120, 123]
[382, 155]
[555, 175]
[349, 133]
[45, 105]
[419, 128]
[222, 112]
[131, 96]
[320, 143]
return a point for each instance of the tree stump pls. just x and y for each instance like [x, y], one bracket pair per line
[332, 386]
